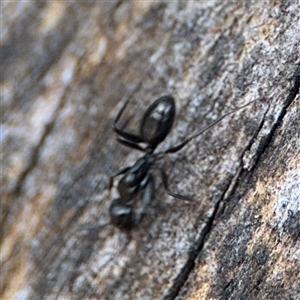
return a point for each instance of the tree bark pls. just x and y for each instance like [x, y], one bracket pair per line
[67, 68]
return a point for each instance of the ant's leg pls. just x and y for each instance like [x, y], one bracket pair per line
[120, 112]
[148, 191]
[166, 187]
[131, 145]
[129, 136]
[122, 171]
[148, 186]
[188, 139]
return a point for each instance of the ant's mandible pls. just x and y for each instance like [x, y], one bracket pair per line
[155, 125]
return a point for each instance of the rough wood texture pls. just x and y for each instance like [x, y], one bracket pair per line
[66, 70]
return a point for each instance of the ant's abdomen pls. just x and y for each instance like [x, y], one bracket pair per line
[158, 120]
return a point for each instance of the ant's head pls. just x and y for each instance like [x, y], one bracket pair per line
[122, 215]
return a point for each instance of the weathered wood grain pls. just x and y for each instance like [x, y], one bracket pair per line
[66, 70]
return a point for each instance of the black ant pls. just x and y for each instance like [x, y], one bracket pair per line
[155, 125]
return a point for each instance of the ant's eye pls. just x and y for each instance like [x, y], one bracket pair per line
[121, 210]
[122, 215]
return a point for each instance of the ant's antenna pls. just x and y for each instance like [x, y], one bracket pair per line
[187, 140]
[98, 227]
[89, 227]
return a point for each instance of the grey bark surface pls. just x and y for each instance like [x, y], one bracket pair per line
[66, 70]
